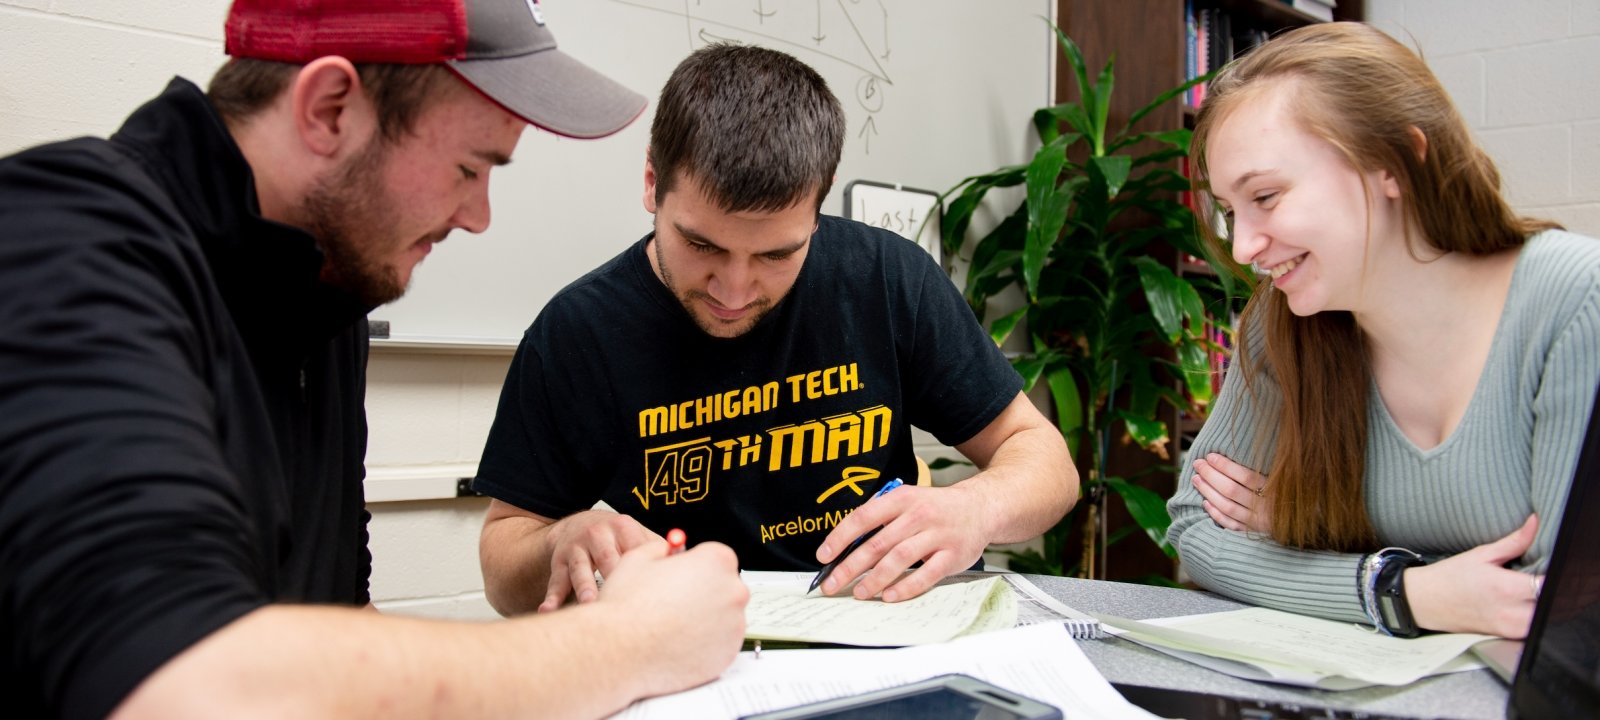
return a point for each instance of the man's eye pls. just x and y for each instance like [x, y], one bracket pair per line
[702, 247]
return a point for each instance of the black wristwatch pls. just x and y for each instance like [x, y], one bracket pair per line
[1390, 588]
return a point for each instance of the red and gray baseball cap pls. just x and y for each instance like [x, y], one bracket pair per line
[500, 47]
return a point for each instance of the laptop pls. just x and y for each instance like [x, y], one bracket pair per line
[1556, 670]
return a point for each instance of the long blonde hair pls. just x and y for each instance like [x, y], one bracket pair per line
[1366, 95]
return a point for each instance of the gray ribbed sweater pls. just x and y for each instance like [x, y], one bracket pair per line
[1512, 454]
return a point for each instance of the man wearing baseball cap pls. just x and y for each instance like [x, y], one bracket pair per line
[182, 371]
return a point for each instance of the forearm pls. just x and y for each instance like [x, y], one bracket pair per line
[1027, 486]
[1259, 571]
[305, 661]
[514, 553]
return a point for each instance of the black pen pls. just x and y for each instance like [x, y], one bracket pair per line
[828, 569]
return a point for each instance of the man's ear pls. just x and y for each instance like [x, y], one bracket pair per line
[649, 185]
[331, 111]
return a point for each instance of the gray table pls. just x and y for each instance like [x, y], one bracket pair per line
[1467, 695]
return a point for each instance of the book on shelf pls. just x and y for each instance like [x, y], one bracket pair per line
[1191, 66]
[1212, 38]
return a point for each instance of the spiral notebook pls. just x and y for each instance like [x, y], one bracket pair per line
[1032, 605]
[1036, 606]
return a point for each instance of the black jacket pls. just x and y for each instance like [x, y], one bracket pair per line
[181, 421]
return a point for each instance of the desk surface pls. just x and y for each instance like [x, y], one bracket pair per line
[1468, 695]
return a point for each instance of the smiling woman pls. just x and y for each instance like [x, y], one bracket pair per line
[1416, 367]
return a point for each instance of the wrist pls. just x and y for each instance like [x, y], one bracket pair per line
[1384, 592]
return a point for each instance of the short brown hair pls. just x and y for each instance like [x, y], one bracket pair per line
[756, 129]
[244, 87]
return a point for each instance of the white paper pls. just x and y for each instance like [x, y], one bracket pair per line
[1297, 649]
[786, 612]
[1039, 661]
[1033, 605]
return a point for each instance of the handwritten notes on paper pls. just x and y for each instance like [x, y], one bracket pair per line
[782, 611]
[1295, 649]
[1039, 661]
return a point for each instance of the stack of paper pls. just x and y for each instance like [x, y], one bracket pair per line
[1039, 661]
[1276, 646]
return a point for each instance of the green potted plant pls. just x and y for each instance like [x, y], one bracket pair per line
[1113, 331]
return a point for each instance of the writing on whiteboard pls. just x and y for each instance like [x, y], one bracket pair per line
[908, 212]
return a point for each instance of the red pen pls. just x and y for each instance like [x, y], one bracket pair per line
[675, 541]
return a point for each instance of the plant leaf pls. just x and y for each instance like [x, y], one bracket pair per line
[1001, 328]
[1148, 509]
[940, 463]
[1047, 210]
[1102, 105]
[1162, 99]
[1069, 406]
[1086, 92]
[1030, 367]
[1115, 169]
[1192, 361]
[1161, 290]
[958, 212]
[1149, 433]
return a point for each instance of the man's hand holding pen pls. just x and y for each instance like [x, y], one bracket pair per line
[943, 527]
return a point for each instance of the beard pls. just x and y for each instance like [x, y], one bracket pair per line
[349, 215]
[690, 300]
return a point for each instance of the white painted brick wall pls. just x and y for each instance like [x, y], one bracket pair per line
[1526, 75]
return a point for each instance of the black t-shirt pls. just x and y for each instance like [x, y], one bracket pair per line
[763, 441]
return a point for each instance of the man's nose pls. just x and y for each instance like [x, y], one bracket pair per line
[733, 284]
[473, 215]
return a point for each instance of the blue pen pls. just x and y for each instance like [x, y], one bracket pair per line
[828, 569]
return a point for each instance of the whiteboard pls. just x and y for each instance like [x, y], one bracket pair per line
[911, 213]
[933, 91]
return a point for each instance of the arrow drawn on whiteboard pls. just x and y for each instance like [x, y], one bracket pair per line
[867, 139]
[885, 29]
[819, 37]
[761, 12]
[859, 55]
[708, 38]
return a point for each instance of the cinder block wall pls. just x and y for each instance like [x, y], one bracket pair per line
[1526, 75]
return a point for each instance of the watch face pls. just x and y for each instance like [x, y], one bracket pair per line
[1393, 608]
[1391, 619]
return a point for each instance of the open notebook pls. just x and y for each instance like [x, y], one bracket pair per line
[962, 604]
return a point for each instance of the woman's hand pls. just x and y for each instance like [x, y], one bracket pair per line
[1233, 494]
[1472, 591]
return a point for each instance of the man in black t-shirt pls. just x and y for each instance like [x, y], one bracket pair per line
[183, 351]
[751, 370]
